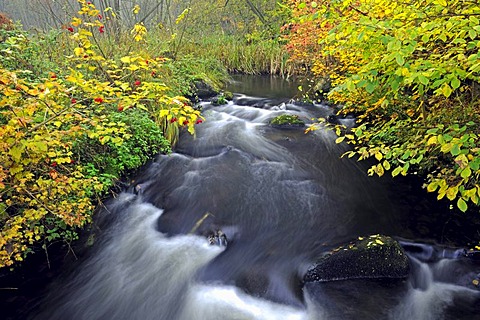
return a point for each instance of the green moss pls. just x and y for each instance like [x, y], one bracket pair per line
[228, 95]
[222, 98]
[287, 120]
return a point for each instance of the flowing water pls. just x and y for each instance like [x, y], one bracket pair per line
[282, 198]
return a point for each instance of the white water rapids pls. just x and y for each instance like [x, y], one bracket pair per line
[282, 198]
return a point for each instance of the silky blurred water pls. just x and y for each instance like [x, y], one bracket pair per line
[283, 198]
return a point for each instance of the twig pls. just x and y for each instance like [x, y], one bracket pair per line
[199, 222]
[46, 254]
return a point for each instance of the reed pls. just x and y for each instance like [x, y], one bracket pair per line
[241, 56]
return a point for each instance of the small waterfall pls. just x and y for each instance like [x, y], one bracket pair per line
[438, 290]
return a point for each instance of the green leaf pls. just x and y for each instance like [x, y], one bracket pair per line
[423, 80]
[455, 151]
[400, 59]
[455, 83]
[405, 168]
[443, 3]
[472, 34]
[396, 171]
[474, 164]
[466, 173]
[462, 205]
[473, 19]
[371, 87]
[395, 84]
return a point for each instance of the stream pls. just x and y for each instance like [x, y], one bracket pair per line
[282, 198]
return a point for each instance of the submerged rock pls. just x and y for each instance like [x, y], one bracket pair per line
[372, 257]
[217, 238]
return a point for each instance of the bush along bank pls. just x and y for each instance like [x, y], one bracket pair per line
[411, 74]
[68, 134]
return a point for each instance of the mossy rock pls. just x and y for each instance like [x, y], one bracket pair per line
[219, 100]
[287, 121]
[373, 257]
[222, 98]
[203, 90]
[228, 95]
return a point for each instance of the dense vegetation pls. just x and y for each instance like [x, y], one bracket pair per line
[74, 120]
[410, 71]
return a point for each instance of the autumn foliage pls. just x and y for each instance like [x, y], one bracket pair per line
[411, 72]
[5, 22]
[66, 137]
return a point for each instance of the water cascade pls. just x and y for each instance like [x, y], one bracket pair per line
[282, 199]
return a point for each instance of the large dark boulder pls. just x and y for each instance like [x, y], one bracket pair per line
[204, 90]
[372, 257]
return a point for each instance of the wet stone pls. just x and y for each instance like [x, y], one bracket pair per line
[217, 238]
[373, 257]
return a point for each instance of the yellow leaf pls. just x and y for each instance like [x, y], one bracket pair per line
[443, 3]
[76, 22]
[16, 168]
[452, 193]
[79, 51]
[379, 241]
[16, 153]
[125, 59]
[182, 16]
[85, 33]
[386, 165]
[136, 9]
[379, 170]
[41, 146]
[432, 186]
[164, 113]
[446, 90]
[432, 140]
